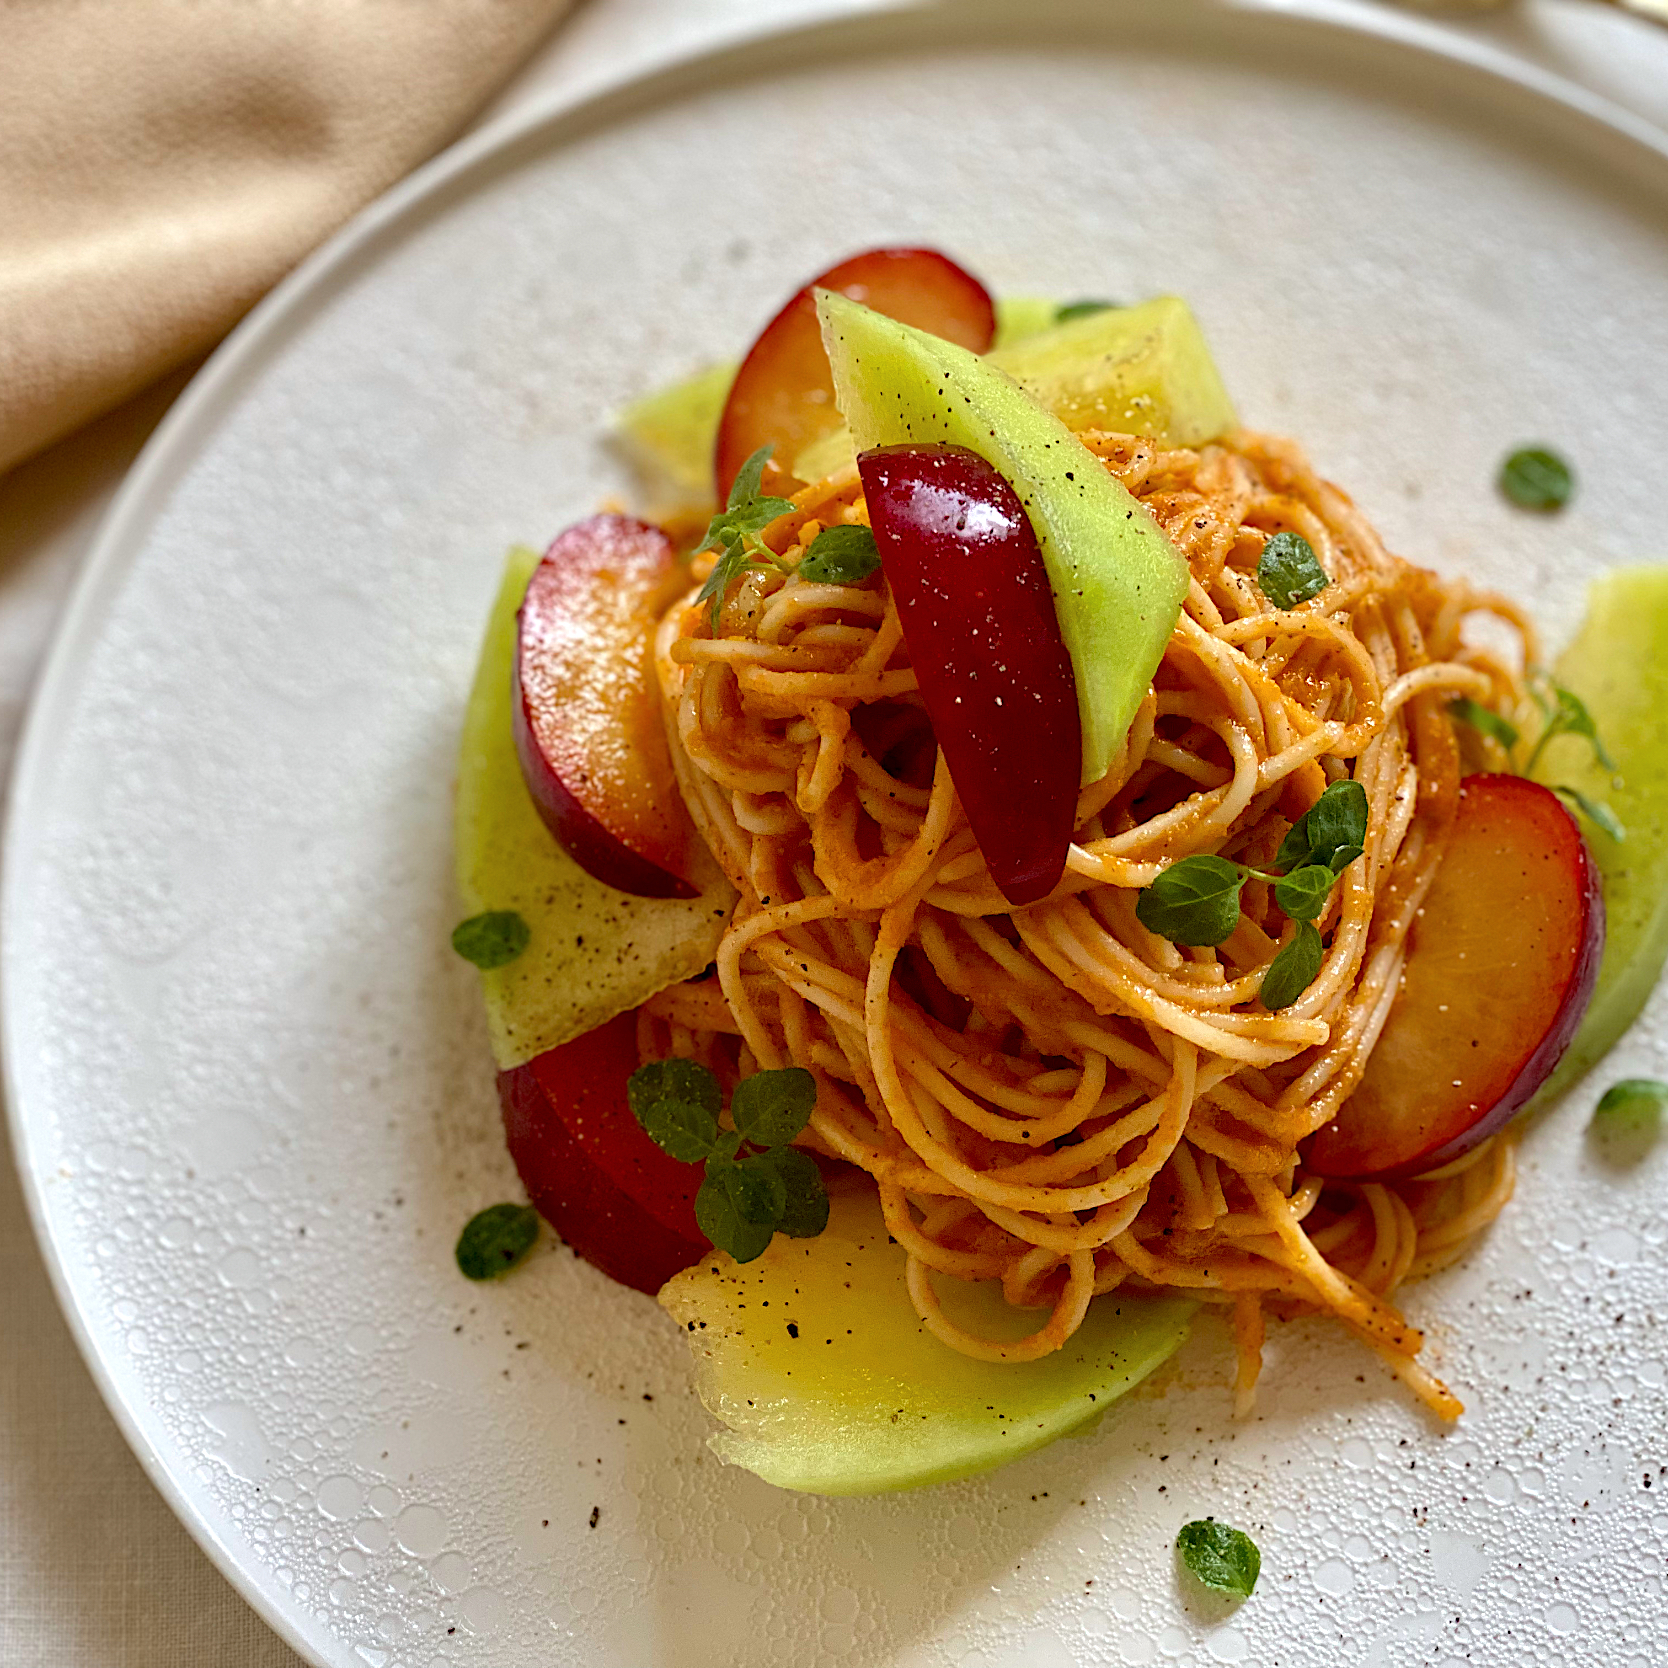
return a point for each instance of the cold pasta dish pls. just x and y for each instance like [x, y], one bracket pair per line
[1021, 863]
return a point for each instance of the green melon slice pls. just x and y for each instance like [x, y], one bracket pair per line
[595, 952]
[1132, 370]
[813, 1358]
[1618, 665]
[1118, 581]
[670, 434]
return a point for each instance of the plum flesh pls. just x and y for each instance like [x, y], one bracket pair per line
[1500, 966]
[978, 617]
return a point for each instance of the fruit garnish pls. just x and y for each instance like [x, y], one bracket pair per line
[1140, 370]
[815, 1360]
[587, 719]
[1618, 666]
[783, 395]
[592, 951]
[978, 616]
[596, 1178]
[1118, 581]
[1500, 966]
[668, 435]
[1134, 370]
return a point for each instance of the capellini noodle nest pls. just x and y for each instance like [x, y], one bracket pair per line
[1054, 1097]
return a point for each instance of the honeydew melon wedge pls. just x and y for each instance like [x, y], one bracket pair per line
[594, 952]
[1618, 665]
[669, 435]
[1118, 581]
[1132, 370]
[813, 1358]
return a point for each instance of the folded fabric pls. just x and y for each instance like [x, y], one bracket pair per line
[164, 162]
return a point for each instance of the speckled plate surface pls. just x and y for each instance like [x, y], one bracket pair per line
[249, 1081]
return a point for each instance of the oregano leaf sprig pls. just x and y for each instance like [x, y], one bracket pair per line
[734, 532]
[1197, 900]
[745, 1197]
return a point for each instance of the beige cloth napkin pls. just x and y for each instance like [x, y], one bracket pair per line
[164, 162]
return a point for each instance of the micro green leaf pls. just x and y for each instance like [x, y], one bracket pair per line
[1335, 823]
[1343, 857]
[1294, 969]
[1302, 894]
[1195, 901]
[492, 939]
[1567, 714]
[743, 1199]
[1594, 810]
[674, 1079]
[1534, 478]
[676, 1102]
[1289, 571]
[805, 1214]
[494, 1240]
[1632, 1096]
[843, 555]
[1225, 1560]
[720, 1215]
[735, 530]
[746, 484]
[771, 1107]
[1485, 720]
[1070, 310]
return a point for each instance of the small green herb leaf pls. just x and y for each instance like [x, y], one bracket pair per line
[719, 1213]
[1632, 1096]
[745, 486]
[494, 1240]
[1336, 823]
[1195, 901]
[674, 1079]
[840, 556]
[1343, 857]
[805, 1214]
[771, 1107]
[1567, 714]
[1594, 810]
[1536, 479]
[1294, 969]
[1225, 1560]
[735, 532]
[491, 940]
[676, 1102]
[1289, 571]
[1302, 894]
[1082, 309]
[1484, 720]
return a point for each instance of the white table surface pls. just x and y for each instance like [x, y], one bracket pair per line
[94, 1570]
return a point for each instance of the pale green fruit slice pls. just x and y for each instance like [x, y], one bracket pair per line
[1132, 370]
[1019, 316]
[1618, 665]
[1118, 581]
[670, 434]
[594, 952]
[864, 1399]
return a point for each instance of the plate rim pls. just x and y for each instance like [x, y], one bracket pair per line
[894, 25]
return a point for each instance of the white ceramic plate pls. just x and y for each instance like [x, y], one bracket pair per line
[249, 1080]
